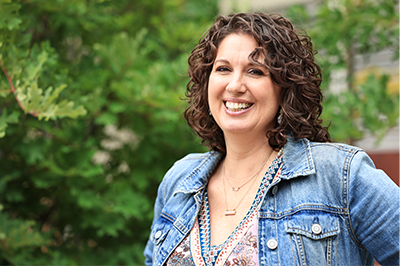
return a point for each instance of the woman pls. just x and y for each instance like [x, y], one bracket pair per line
[273, 190]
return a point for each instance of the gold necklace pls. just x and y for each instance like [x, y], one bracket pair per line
[233, 211]
[236, 189]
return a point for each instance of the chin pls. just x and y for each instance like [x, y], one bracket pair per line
[237, 130]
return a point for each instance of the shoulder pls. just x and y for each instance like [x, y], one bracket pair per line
[304, 157]
[324, 151]
[189, 164]
[345, 161]
[331, 150]
[192, 159]
[334, 147]
[339, 154]
[190, 173]
[351, 166]
[303, 147]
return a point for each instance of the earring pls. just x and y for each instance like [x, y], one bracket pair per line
[280, 116]
[209, 112]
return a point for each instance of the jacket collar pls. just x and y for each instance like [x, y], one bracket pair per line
[297, 161]
[198, 178]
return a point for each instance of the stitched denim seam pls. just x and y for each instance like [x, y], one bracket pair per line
[352, 235]
[291, 246]
[181, 228]
[309, 157]
[321, 235]
[301, 249]
[276, 232]
[196, 171]
[329, 251]
[338, 146]
[316, 207]
[168, 217]
[336, 252]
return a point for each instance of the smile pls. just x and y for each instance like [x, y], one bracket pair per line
[236, 107]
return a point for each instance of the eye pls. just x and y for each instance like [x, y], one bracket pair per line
[256, 72]
[222, 69]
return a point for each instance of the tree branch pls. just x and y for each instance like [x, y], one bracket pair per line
[13, 88]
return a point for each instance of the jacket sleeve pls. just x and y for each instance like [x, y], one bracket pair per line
[373, 200]
[158, 206]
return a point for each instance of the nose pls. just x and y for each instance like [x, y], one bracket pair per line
[236, 84]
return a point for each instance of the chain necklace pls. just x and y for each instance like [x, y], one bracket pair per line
[233, 211]
[236, 189]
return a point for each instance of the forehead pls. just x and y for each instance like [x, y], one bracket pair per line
[237, 46]
[237, 41]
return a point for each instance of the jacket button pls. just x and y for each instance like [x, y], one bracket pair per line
[272, 244]
[274, 190]
[316, 229]
[158, 234]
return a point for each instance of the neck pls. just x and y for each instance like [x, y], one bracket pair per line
[245, 155]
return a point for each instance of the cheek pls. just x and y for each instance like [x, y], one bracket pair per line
[213, 89]
[209, 88]
[210, 97]
[211, 83]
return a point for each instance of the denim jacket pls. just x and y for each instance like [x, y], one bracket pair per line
[330, 206]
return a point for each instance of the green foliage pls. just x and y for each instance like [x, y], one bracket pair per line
[341, 30]
[5, 120]
[90, 120]
[370, 108]
[26, 67]
[8, 18]
[31, 97]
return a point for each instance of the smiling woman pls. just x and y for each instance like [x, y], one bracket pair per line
[280, 52]
[273, 190]
[241, 94]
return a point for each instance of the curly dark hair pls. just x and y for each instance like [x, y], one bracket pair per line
[289, 57]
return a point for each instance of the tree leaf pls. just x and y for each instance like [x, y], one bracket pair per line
[8, 17]
[7, 119]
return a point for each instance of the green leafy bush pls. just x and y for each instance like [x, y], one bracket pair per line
[90, 120]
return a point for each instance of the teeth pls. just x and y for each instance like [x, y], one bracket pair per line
[237, 106]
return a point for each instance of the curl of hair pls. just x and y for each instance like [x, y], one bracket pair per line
[289, 57]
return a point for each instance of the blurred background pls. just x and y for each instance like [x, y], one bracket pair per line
[91, 110]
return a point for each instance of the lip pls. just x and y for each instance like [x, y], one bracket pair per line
[237, 113]
[235, 100]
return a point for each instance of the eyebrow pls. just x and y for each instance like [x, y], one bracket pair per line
[222, 61]
[227, 62]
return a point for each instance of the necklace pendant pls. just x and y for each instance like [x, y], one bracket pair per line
[236, 189]
[230, 212]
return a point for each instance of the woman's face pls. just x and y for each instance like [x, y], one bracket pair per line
[241, 95]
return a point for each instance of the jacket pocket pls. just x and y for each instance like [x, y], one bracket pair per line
[313, 237]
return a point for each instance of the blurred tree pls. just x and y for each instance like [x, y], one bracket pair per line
[340, 30]
[90, 116]
[90, 119]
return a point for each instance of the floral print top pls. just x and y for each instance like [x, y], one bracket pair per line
[241, 246]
